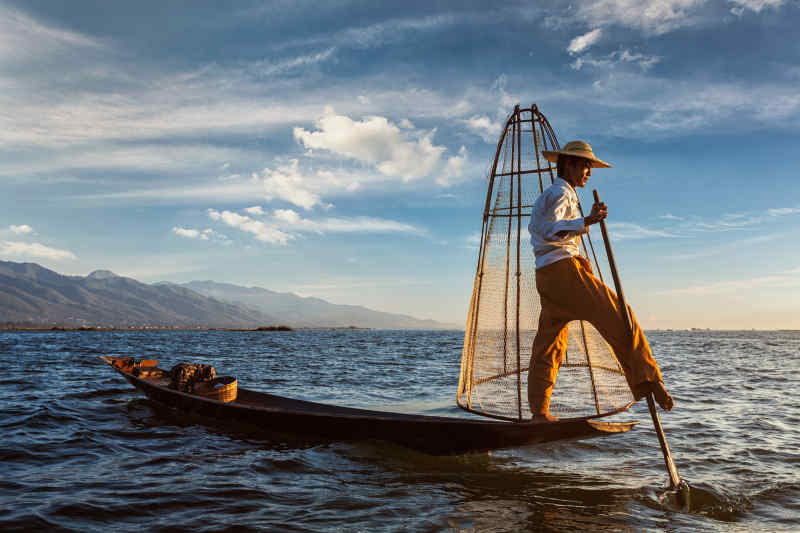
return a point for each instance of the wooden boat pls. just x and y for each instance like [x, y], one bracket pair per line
[435, 435]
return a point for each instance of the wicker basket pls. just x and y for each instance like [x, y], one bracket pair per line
[222, 389]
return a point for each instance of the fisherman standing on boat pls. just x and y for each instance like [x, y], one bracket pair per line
[569, 291]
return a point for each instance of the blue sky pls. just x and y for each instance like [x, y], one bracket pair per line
[340, 150]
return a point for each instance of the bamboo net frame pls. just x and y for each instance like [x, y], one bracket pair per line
[504, 308]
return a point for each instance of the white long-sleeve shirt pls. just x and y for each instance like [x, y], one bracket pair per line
[556, 210]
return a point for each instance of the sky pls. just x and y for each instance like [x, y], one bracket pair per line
[341, 149]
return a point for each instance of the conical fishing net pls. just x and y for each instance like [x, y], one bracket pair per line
[504, 310]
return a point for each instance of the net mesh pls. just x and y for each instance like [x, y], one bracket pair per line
[504, 309]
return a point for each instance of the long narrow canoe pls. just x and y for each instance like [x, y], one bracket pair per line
[435, 435]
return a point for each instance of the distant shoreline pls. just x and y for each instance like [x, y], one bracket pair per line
[19, 327]
[41, 327]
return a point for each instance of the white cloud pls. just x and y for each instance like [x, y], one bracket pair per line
[341, 285]
[784, 280]
[691, 227]
[488, 129]
[143, 158]
[290, 220]
[289, 216]
[650, 16]
[735, 247]
[628, 230]
[734, 221]
[582, 42]
[255, 210]
[490, 125]
[286, 182]
[290, 180]
[238, 190]
[116, 101]
[262, 232]
[384, 32]
[366, 225]
[506, 101]
[376, 141]
[688, 227]
[151, 113]
[783, 103]
[285, 225]
[193, 233]
[660, 107]
[33, 249]
[140, 106]
[780, 211]
[119, 100]
[453, 169]
[223, 99]
[473, 239]
[740, 6]
[23, 39]
[577, 64]
[21, 229]
[271, 68]
[645, 62]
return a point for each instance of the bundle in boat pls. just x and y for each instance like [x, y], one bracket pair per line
[504, 309]
[185, 375]
[202, 380]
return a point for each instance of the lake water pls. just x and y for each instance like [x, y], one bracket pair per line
[81, 450]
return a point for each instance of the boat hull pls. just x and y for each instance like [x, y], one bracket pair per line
[435, 435]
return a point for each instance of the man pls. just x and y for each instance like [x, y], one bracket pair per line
[569, 291]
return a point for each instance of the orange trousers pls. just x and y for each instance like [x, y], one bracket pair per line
[569, 291]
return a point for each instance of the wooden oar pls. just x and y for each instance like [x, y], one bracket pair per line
[674, 478]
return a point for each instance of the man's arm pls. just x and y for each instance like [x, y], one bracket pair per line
[598, 213]
[553, 225]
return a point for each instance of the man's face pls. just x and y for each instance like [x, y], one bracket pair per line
[579, 171]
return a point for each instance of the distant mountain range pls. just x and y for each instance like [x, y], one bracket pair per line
[309, 312]
[32, 294]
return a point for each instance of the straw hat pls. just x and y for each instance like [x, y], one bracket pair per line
[576, 149]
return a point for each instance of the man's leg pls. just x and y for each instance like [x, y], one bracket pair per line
[633, 353]
[549, 347]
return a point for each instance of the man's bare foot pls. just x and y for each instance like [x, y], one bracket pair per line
[540, 418]
[662, 396]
